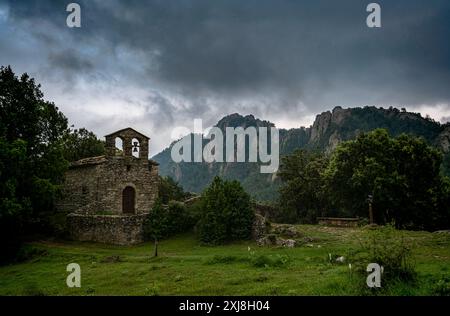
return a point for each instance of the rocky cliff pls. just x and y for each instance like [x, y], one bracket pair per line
[328, 130]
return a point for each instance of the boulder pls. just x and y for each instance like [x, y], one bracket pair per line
[286, 230]
[289, 243]
[273, 240]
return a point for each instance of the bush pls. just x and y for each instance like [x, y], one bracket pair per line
[155, 225]
[441, 287]
[178, 218]
[387, 247]
[165, 221]
[226, 213]
[170, 190]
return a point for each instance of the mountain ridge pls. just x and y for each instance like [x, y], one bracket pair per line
[328, 130]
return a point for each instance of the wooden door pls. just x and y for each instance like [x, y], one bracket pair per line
[128, 200]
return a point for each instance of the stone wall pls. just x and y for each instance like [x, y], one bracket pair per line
[339, 222]
[94, 195]
[127, 135]
[121, 172]
[79, 190]
[111, 229]
[98, 188]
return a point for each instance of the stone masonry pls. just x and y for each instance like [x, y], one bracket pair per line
[108, 196]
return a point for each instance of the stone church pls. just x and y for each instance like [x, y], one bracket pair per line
[108, 197]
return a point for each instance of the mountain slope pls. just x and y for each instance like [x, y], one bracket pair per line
[328, 129]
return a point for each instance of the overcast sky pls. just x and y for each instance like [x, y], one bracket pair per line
[160, 64]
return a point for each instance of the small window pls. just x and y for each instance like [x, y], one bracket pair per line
[128, 167]
[84, 189]
[119, 146]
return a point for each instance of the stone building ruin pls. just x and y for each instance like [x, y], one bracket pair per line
[108, 197]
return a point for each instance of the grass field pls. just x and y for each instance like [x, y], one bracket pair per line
[184, 267]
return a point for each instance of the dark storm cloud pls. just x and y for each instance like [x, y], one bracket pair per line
[274, 53]
[250, 45]
[68, 60]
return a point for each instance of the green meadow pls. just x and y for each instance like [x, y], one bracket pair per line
[185, 267]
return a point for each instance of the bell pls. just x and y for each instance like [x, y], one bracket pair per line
[135, 147]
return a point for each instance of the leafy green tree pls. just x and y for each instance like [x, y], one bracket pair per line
[156, 224]
[226, 212]
[178, 219]
[170, 190]
[446, 165]
[14, 208]
[31, 157]
[164, 221]
[303, 195]
[402, 174]
[81, 143]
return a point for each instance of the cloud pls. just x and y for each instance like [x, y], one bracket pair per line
[165, 63]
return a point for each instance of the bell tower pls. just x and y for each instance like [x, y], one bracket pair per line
[134, 144]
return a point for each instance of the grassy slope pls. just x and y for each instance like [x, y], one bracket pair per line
[185, 268]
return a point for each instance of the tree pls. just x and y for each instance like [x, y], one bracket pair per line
[31, 157]
[303, 194]
[156, 224]
[164, 221]
[402, 174]
[81, 143]
[226, 212]
[170, 190]
[14, 209]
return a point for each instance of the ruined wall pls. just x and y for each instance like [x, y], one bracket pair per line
[117, 229]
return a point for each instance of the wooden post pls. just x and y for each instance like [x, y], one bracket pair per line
[370, 200]
[156, 248]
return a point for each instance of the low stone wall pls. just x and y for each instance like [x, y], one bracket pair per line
[110, 229]
[339, 222]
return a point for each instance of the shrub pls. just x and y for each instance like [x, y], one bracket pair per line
[165, 221]
[155, 226]
[441, 287]
[387, 247]
[178, 218]
[170, 190]
[226, 213]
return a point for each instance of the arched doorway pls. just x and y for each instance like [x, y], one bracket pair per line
[128, 200]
